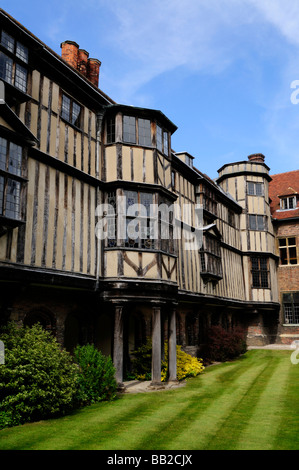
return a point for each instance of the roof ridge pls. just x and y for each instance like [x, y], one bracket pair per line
[283, 173]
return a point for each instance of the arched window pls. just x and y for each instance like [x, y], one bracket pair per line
[41, 316]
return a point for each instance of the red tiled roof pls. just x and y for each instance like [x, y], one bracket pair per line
[284, 184]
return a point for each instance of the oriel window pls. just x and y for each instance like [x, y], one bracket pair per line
[144, 132]
[129, 129]
[111, 130]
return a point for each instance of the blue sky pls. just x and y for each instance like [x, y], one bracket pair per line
[221, 70]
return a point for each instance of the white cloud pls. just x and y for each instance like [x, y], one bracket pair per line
[283, 14]
[161, 36]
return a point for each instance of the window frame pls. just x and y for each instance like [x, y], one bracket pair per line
[11, 181]
[210, 256]
[254, 185]
[256, 218]
[132, 134]
[67, 113]
[231, 218]
[287, 247]
[144, 138]
[290, 300]
[287, 200]
[17, 73]
[110, 130]
[153, 223]
[257, 272]
[162, 143]
[207, 198]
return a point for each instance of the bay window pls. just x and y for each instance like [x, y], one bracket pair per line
[210, 256]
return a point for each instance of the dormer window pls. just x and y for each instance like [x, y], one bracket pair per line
[189, 161]
[287, 203]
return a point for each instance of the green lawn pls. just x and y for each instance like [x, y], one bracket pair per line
[252, 403]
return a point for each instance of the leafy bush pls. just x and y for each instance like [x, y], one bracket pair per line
[142, 362]
[38, 379]
[96, 380]
[187, 365]
[223, 345]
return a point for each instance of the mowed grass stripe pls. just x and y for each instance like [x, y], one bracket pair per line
[228, 436]
[206, 424]
[216, 410]
[263, 426]
[206, 389]
[100, 421]
[154, 429]
[160, 413]
[287, 438]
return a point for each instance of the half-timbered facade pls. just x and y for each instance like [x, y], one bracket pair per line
[109, 236]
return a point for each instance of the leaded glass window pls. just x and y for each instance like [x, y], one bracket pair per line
[129, 129]
[11, 69]
[10, 188]
[144, 132]
[290, 303]
[71, 111]
[260, 272]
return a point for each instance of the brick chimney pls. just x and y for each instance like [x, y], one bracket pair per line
[257, 157]
[93, 71]
[82, 61]
[69, 52]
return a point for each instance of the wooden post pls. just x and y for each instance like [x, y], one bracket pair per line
[156, 346]
[118, 348]
[172, 367]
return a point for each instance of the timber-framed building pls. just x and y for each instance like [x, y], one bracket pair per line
[68, 154]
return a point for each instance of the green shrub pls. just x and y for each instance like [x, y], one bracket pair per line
[96, 377]
[38, 379]
[187, 365]
[224, 345]
[142, 362]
